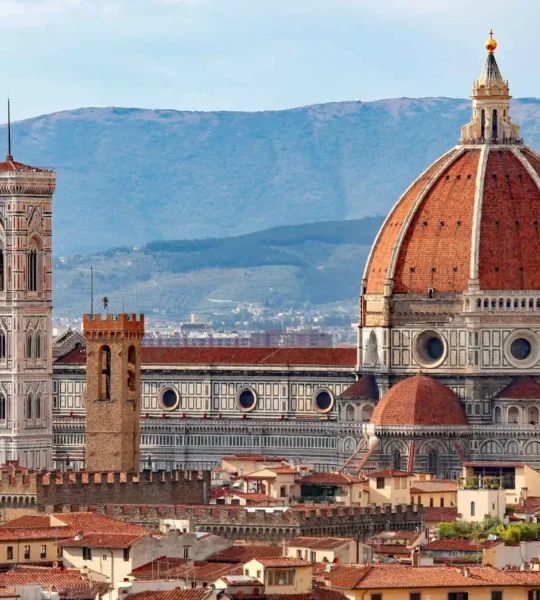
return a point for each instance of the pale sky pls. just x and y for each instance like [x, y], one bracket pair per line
[255, 54]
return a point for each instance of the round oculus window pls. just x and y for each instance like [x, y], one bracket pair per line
[246, 399]
[521, 348]
[169, 398]
[323, 401]
[429, 348]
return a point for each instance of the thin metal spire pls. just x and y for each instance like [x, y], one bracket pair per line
[91, 290]
[9, 126]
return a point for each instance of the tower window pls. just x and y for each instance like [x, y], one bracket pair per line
[37, 346]
[29, 407]
[2, 345]
[3, 412]
[105, 373]
[132, 362]
[32, 270]
[29, 345]
[2, 270]
[38, 407]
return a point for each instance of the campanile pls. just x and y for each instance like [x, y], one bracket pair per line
[113, 408]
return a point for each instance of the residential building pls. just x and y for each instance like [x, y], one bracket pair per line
[434, 493]
[390, 486]
[324, 549]
[284, 575]
[399, 582]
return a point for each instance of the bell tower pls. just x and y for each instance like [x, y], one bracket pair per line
[113, 408]
[25, 312]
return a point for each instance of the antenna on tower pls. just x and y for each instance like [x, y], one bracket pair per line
[91, 290]
[9, 127]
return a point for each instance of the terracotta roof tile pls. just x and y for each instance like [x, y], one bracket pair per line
[284, 561]
[364, 389]
[85, 592]
[320, 593]
[389, 473]
[11, 165]
[419, 400]
[429, 487]
[381, 577]
[60, 578]
[316, 543]
[520, 388]
[330, 479]
[175, 594]
[331, 357]
[452, 545]
[243, 554]
[103, 540]
[8, 593]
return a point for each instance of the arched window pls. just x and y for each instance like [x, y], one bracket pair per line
[38, 407]
[419, 500]
[3, 345]
[367, 411]
[105, 373]
[132, 368]
[512, 448]
[29, 407]
[29, 345]
[473, 509]
[283, 492]
[532, 448]
[494, 125]
[349, 413]
[497, 416]
[431, 502]
[396, 460]
[483, 124]
[513, 415]
[532, 416]
[433, 461]
[491, 448]
[37, 345]
[3, 411]
[2, 280]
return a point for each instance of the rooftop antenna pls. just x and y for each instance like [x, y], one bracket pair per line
[91, 290]
[9, 127]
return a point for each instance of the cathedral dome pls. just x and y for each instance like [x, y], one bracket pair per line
[419, 400]
[470, 221]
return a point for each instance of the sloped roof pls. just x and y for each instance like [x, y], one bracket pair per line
[419, 400]
[243, 554]
[331, 357]
[364, 389]
[520, 388]
[319, 543]
[329, 479]
[198, 593]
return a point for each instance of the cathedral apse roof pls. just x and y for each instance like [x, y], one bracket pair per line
[419, 400]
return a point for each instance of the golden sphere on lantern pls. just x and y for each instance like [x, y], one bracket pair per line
[491, 44]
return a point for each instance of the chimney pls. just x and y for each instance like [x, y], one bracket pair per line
[466, 572]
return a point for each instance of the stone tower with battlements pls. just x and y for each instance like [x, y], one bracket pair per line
[25, 313]
[113, 409]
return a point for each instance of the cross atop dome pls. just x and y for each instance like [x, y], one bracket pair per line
[491, 122]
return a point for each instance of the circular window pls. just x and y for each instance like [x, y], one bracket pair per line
[246, 399]
[520, 348]
[429, 349]
[323, 401]
[169, 398]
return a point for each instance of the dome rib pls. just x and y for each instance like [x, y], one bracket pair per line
[386, 238]
[477, 217]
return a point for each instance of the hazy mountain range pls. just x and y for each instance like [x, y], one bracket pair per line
[281, 268]
[130, 176]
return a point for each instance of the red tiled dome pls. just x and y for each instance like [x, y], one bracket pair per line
[419, 400]
[469, 216]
